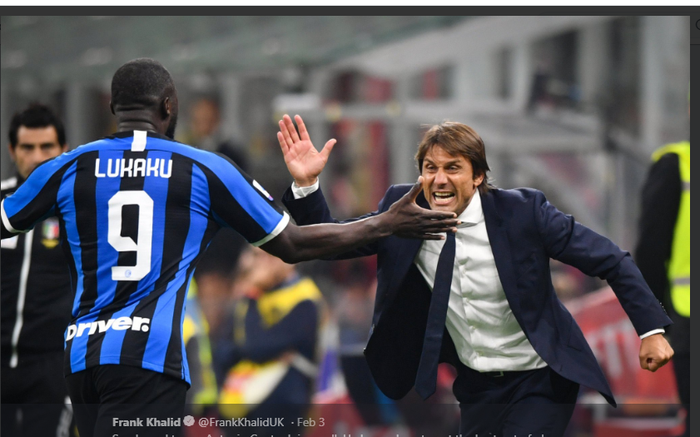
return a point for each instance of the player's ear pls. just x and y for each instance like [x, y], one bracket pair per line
[166, 107]
[479, 179]
[111, 107]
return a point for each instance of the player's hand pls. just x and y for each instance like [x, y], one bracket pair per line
[408, 220]
[303, 161]
[654, 352]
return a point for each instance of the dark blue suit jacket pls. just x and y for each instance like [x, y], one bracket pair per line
[525, 231]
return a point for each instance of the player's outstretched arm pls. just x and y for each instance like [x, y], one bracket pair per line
[303, 161]
[404, 219]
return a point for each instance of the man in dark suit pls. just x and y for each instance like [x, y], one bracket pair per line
[482, 299]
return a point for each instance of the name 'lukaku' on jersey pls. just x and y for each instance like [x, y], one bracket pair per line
[149, 208]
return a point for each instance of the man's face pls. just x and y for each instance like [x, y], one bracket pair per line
[448, 180]
[34, 146]
[204, 119]
[262, 270]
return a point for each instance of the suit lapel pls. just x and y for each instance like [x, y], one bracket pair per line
[406, 250]
[410, 247]
[500, 247]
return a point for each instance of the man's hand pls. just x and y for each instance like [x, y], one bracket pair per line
[404, 218]
[303, 161]
[654, 352]
[409, 220]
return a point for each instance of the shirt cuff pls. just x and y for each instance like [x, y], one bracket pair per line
[652, 332]
[275, 232]
[301, 192]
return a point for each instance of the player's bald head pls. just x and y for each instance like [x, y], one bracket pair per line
[142, 82]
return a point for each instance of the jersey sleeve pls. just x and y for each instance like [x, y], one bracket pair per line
[238, 201]
[35, 199]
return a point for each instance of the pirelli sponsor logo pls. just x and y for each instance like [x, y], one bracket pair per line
[141, 324]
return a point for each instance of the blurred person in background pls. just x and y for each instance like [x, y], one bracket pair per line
[203, 393]
[205, 131]
[36, 295]
[539, 94]
[353, 313]
[215, 270]
[273, 359]
[138, 209]
[482, 300]
[663, 250]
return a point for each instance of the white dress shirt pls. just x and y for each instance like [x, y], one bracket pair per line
[479, 319]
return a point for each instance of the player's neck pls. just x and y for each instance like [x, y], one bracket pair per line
[129, 126]
[137, 120]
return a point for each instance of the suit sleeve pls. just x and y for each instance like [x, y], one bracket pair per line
[572, 243]
[313, 209]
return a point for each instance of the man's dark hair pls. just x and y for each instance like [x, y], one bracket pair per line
[142, 82]
[36, 116]
[457, 139]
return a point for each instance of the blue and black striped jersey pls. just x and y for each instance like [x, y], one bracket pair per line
[137, 210]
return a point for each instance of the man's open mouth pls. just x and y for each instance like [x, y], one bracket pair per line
[442, 196]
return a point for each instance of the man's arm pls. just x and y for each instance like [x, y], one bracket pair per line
[35, 199]
[404, 218]
[310, 207]
[572, 243]
[661, 197]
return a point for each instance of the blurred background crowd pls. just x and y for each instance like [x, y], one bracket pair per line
[573, 106]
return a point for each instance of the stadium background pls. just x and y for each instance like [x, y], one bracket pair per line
[573, 106]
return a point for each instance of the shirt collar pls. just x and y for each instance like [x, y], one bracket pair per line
[473, 214]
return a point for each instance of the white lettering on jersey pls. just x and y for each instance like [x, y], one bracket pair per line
[141, 324]
[134, 167]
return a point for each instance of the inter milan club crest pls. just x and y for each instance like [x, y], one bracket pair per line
[50, 233]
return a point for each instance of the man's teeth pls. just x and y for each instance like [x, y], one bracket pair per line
[443, 195]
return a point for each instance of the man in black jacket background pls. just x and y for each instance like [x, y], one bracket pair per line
[36, 295]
